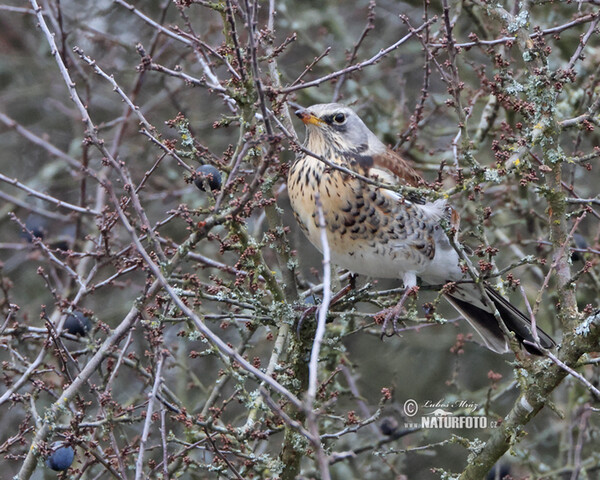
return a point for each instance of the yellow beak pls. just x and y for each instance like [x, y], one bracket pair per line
[309, 118]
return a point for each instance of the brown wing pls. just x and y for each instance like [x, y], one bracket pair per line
[398, 166]
[387, 166]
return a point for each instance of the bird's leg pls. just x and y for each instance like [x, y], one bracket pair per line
[392, 314]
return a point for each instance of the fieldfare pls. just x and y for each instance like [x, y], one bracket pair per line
[378, 232]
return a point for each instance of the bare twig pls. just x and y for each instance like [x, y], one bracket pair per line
[48, 198]
[323, 309]
[358, 66]
[221, 456]
[139, 465]
[313, 368]
[368, 27]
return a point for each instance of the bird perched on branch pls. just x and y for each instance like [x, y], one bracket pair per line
[378, 232]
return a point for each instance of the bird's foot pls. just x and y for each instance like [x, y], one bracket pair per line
[390, 316]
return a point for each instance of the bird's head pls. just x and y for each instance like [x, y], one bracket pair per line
[337, 126]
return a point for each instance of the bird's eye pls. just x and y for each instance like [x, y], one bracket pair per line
[339, 118]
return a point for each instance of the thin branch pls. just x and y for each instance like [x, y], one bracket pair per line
[221, 456]
[359, 66]
[41, 142]
[368, 27]
[313, 368]
[33, 208]
[504, 40]
[236, 41]
[154, 24]
[309, 68]
[252, 19]
[48, 198]
[583, 40]
[139, 464]
[573, 373]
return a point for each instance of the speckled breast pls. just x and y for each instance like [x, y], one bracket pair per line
[368, 232]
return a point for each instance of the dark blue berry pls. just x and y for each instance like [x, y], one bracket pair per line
[388, 426]
[78, 324]
[498, 471]
[61, 457]
[36, 227]
[581, 244]
[311, 300]
[209, 174]
[62, 245]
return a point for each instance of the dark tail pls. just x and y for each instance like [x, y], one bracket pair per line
[467, 299]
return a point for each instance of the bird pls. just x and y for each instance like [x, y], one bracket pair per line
[340, 176]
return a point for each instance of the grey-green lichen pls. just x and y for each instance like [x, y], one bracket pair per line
[584, 328]
[491, 175]
[520, 21]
